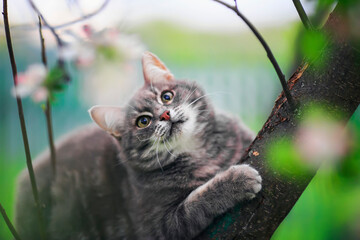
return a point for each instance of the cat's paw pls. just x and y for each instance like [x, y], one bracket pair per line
[247, 179]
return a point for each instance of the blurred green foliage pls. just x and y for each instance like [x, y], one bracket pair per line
[189, 47]
[108, 52]
[285, 159]
[55, 81]
[329, 207]
[312, 43]
[7, 189]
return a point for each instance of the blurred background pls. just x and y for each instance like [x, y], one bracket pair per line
[198, 40]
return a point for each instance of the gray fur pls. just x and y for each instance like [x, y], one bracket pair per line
[148, 183]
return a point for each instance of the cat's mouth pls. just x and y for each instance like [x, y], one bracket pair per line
[175, 129]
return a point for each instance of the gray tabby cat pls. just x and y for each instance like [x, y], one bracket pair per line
[165, 173]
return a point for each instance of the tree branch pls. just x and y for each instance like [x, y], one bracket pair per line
[57, 37]
[8, 223]
[87, 16]
[47, 109]
[302, 14]
[60, 43]
[269, 53]
[338, 86]
[65, 24]
[22, 121]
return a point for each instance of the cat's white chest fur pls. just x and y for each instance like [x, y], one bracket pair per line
[187, 140]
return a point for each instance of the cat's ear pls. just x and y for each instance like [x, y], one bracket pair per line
[154, 69]
[108, 118]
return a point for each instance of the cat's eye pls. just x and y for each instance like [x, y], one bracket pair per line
[167, 96]
[143, 121]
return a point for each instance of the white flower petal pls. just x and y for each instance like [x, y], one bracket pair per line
[30, 80]
[68, 53]
[22, 91]
[36, 73]
[320, 140]
[40, 95]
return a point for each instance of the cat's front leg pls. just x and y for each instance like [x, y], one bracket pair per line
[211, 199]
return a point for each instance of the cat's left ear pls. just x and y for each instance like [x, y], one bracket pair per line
[108, 118]
[154, 69]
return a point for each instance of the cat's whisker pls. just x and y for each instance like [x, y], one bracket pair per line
[131, 106]
[147, 153]
[167, 148]
[157, 156]
[169, 143]
[197, 99]
[199, 106]
[187, 98]
[190, 92]
[144, 140]
[205, 95]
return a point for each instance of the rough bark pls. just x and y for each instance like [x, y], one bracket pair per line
[338, 86]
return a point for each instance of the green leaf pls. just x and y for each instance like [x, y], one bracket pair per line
[312, 43]
[284, 158]
[109, 52]
[56, 79]
[325, 3]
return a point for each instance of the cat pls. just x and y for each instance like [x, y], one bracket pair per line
[164, 168]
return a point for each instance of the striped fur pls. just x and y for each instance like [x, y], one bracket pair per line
[166, 181]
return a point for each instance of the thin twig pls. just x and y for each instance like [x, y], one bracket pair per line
[65, 24]
[50, 136]
[9, 224]
[303, 16]
[22, 121]
[47, 110]
[60, 43]
[267, 49]
[42, 44]
[87, 16]
[57, 37]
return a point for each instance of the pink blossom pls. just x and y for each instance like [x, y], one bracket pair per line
[31, 82]
[96, 45]
[321, 140]
[40, 95]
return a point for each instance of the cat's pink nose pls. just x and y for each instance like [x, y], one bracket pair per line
[165, 116]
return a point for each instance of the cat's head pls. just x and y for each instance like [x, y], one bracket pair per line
[165, 116]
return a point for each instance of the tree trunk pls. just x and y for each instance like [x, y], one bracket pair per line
[337, 85]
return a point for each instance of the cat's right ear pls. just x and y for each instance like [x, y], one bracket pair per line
[154, 69]
[108, 118]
